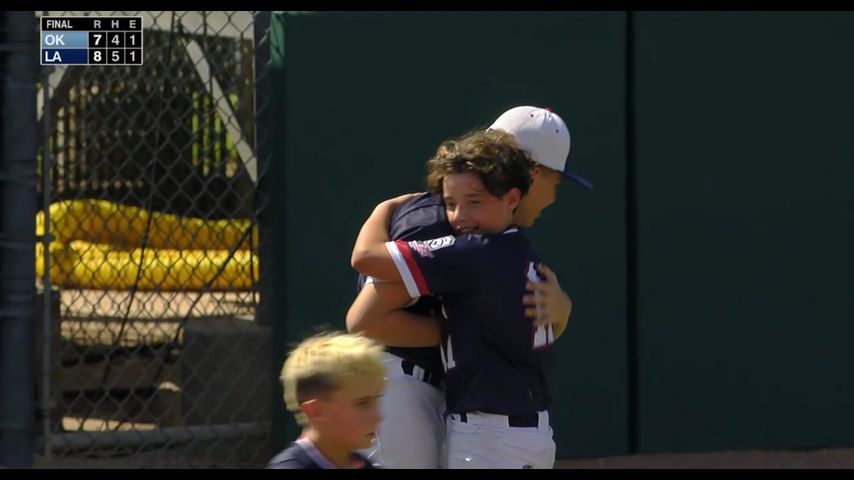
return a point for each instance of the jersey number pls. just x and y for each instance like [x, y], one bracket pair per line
[544, 335]
[447, 352]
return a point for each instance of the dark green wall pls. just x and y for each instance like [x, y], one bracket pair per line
[745, 167]
[368, 97]
[731, 314]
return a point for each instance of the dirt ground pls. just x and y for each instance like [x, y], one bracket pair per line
[817, 459]
[842, 458]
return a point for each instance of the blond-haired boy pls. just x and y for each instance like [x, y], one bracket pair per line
[332, 383]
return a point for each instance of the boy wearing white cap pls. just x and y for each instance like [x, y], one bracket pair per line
[412, 433]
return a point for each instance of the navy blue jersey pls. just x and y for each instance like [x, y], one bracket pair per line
[421, 218]
[496, 360]
[303, 456]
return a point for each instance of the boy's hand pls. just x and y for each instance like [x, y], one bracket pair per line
[548, 304]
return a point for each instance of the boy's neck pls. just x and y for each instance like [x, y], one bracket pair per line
[340, 457]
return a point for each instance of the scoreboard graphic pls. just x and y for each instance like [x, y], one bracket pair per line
[91, 41]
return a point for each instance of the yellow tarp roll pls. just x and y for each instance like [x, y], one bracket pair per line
[100, 221]
[97, 246]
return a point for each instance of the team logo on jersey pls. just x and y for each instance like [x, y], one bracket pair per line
[426, 248]
[438, 243]
[421, 248]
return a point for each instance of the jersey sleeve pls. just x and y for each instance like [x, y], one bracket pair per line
[441, 265]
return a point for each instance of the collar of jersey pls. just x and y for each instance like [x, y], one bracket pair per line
[315, 454]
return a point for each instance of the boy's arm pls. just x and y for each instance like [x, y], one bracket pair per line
[548, 303]
[377, 312]
[370, 255]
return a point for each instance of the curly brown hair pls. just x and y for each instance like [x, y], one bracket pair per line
[492, 155]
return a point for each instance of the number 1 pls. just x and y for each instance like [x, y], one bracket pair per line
[448, 356]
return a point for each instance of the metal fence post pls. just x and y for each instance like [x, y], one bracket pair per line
[17, 227]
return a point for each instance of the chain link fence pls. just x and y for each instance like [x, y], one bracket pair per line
[153, 349]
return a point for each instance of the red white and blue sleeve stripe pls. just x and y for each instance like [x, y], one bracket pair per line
[409, 270]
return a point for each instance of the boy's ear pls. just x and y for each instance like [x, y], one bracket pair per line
[535, 172]
[312, 408]
[513, 197]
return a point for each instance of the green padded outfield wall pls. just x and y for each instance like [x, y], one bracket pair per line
[364, 99]
[744, 155]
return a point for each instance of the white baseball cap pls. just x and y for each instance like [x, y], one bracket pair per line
[543, 134]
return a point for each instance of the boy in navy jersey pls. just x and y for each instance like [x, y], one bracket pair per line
[332, 383]
[411, 434]
[497, 360]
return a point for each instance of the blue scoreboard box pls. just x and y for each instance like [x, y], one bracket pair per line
[91, 41]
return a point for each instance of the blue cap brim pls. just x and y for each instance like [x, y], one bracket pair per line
[577, 179]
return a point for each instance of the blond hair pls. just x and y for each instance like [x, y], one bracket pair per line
[322, 364]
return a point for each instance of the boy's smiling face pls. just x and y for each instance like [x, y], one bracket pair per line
[472, 209]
